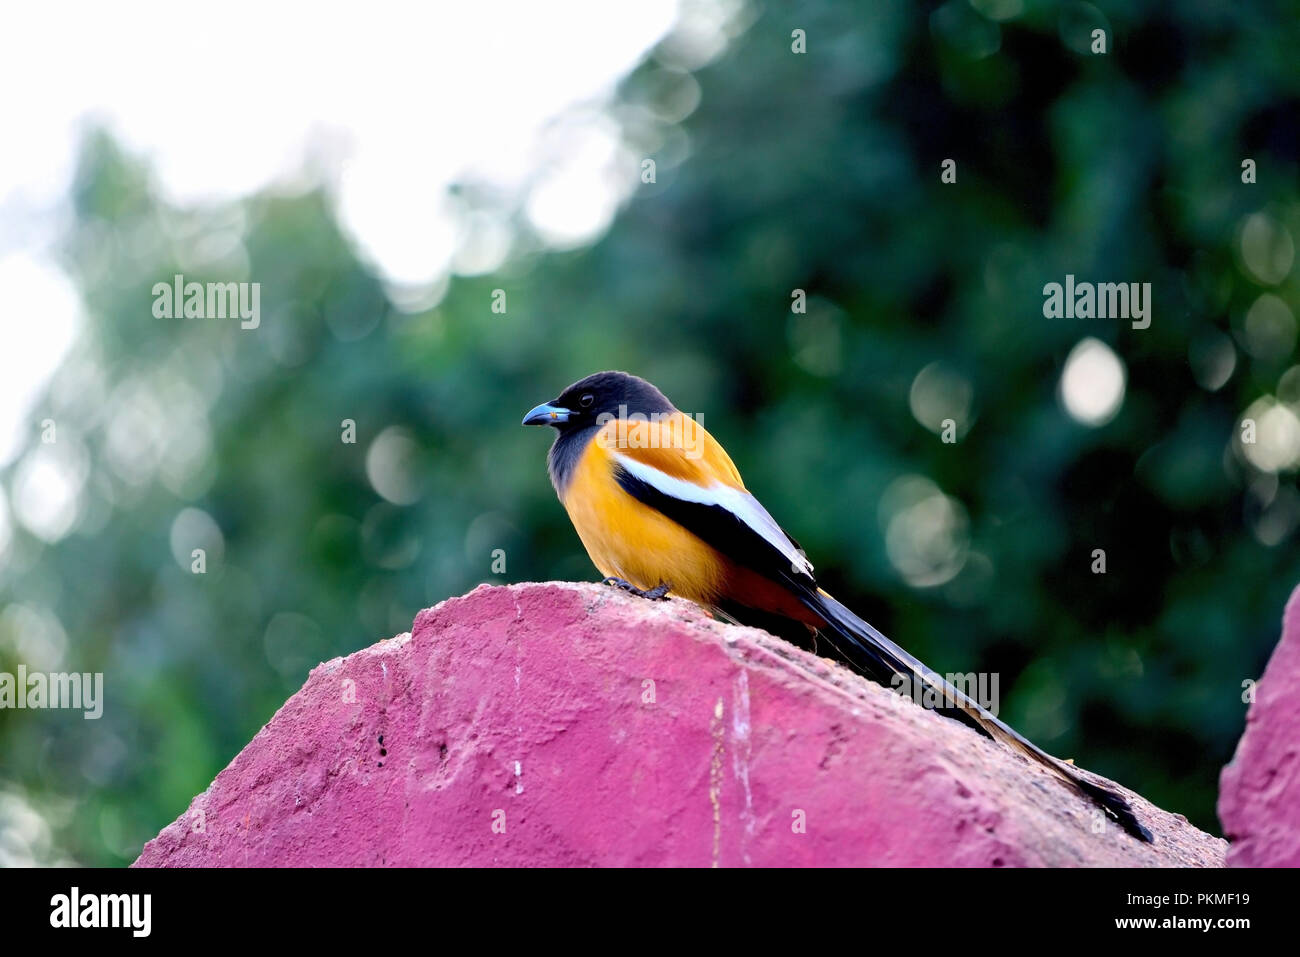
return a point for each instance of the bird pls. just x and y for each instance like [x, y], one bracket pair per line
[662, 511]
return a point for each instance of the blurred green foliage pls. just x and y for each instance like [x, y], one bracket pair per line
[817, 172]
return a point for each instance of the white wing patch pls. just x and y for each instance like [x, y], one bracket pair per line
[740, 504]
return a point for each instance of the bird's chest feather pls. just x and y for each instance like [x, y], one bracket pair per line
[632, 541]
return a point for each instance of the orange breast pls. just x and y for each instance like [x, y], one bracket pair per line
[632, 541]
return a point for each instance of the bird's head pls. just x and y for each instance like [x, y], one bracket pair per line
[597, 399]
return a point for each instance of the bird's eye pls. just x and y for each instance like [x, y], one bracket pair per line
[586, 400]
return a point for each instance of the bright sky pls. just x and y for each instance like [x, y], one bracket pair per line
[388, 102]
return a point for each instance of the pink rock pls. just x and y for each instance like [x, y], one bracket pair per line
[563, 724]
[1259, 791]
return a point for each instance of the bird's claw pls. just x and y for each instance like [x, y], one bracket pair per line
[658, 593]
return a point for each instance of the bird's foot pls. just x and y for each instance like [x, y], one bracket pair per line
[658, 593]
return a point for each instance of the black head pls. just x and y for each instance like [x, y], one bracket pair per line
[598, 398]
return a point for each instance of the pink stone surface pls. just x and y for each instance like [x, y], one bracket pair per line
[1259, 791]
[595, 728]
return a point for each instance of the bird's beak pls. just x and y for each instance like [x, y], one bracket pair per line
[546, 414]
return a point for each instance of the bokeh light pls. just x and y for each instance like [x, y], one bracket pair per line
[926, 531]
[1092, 385]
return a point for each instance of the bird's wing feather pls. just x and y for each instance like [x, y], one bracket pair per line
[690, 479]
[730, 520]
[676, 445]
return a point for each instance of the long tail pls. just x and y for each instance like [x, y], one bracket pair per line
[881, 660]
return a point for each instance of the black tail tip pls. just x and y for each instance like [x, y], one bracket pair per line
[1117, 808]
